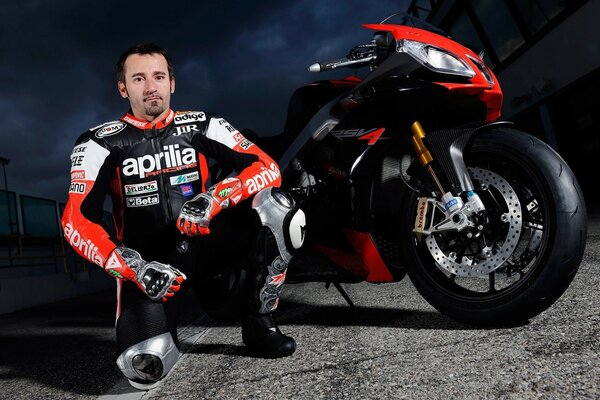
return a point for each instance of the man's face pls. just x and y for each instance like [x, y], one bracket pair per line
[147, 85]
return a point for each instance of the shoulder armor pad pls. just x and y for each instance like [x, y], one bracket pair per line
[108, 129]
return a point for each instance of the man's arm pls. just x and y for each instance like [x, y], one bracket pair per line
[91, 168]
[82, 218]
[230, 148]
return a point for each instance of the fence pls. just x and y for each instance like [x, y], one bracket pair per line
[35, 239]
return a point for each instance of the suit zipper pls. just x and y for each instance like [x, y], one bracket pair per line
[167, 204]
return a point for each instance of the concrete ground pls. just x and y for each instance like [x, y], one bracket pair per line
[392, 345]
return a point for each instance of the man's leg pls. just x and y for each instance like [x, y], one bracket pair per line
[281, 233]
[146, 337]
[147, 331]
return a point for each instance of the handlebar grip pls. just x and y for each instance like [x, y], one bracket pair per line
[328, 65]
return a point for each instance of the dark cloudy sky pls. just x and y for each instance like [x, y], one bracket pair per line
[241, 59]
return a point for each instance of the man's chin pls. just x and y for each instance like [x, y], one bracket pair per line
[154, 111]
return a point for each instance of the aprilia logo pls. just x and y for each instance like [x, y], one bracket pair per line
[170, 160]
[263, 179]
[143, 201]
[85, 247]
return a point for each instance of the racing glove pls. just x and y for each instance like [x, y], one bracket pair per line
[159, 281]
[197, 213]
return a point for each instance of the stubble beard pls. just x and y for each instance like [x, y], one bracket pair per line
[154, 109]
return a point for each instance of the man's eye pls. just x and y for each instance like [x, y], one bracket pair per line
[160, 77]
[137, 79]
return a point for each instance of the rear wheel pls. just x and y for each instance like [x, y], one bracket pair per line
[522, 253]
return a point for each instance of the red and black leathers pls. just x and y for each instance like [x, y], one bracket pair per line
[150, 171]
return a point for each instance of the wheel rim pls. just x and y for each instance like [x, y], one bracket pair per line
[515, 232]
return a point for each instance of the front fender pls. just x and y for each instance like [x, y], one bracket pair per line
[447, 146]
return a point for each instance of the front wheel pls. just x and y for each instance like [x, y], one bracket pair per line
[521, 254]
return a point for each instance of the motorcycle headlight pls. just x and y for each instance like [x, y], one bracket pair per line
[434, 58]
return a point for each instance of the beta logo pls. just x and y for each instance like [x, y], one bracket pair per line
[189, 117]
[143, 201]
[109, 129]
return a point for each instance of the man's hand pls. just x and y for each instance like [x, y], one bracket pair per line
[159, 281]
[196, 214]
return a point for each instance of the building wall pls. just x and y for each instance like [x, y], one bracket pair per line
[570, 51]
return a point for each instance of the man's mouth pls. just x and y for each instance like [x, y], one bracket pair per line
[150, 98]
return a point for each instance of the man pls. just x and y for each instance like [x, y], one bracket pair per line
[153, 164]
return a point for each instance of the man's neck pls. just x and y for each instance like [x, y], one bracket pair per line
[150, 118]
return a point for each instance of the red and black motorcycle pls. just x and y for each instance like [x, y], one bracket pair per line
[411, 170]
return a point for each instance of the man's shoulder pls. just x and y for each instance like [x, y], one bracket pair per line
[99, 132]
[106, 129]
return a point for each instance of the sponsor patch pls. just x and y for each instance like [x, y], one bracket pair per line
[185, 129]
[246, 144]
[77, 187]
[182, 118]
[110, 128]
[180, 179]
[171, 159]
[77, 160]
[141, 188]
[142, 201]
[263, 179]
[84, 247]
[187, 189]
[77, 174]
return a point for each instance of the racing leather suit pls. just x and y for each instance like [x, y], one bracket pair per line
[150, 171]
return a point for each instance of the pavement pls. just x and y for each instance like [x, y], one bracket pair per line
[391, 345]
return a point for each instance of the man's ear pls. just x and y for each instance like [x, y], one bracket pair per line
[122, 89]
[172, 85]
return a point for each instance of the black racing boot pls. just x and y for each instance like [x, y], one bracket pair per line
[264, 338]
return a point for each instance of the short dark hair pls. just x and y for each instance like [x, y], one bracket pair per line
[142, 48]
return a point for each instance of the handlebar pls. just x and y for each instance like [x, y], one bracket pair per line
[339, 63]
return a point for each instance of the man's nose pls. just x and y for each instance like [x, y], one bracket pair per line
[149, 87]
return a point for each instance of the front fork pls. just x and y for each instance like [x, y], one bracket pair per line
[457, 214]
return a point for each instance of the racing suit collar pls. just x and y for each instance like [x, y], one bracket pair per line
[143, 124]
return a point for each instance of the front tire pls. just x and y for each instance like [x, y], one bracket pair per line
[547, 240]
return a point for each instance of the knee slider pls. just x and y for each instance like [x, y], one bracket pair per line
[149, 360]
[278, 212]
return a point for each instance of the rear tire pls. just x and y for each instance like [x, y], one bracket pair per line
[549, 244]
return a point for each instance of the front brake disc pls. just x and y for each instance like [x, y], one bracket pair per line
[491, 256]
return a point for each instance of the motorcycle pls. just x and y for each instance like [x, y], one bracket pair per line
[411, 171]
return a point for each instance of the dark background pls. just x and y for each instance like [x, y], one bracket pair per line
[242, 60]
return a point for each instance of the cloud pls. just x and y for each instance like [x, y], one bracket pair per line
[240, 59]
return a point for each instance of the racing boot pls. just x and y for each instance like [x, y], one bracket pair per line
[278, 237]
[264, 338]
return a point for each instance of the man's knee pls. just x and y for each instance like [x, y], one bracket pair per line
[278, 212]
[150, 360]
